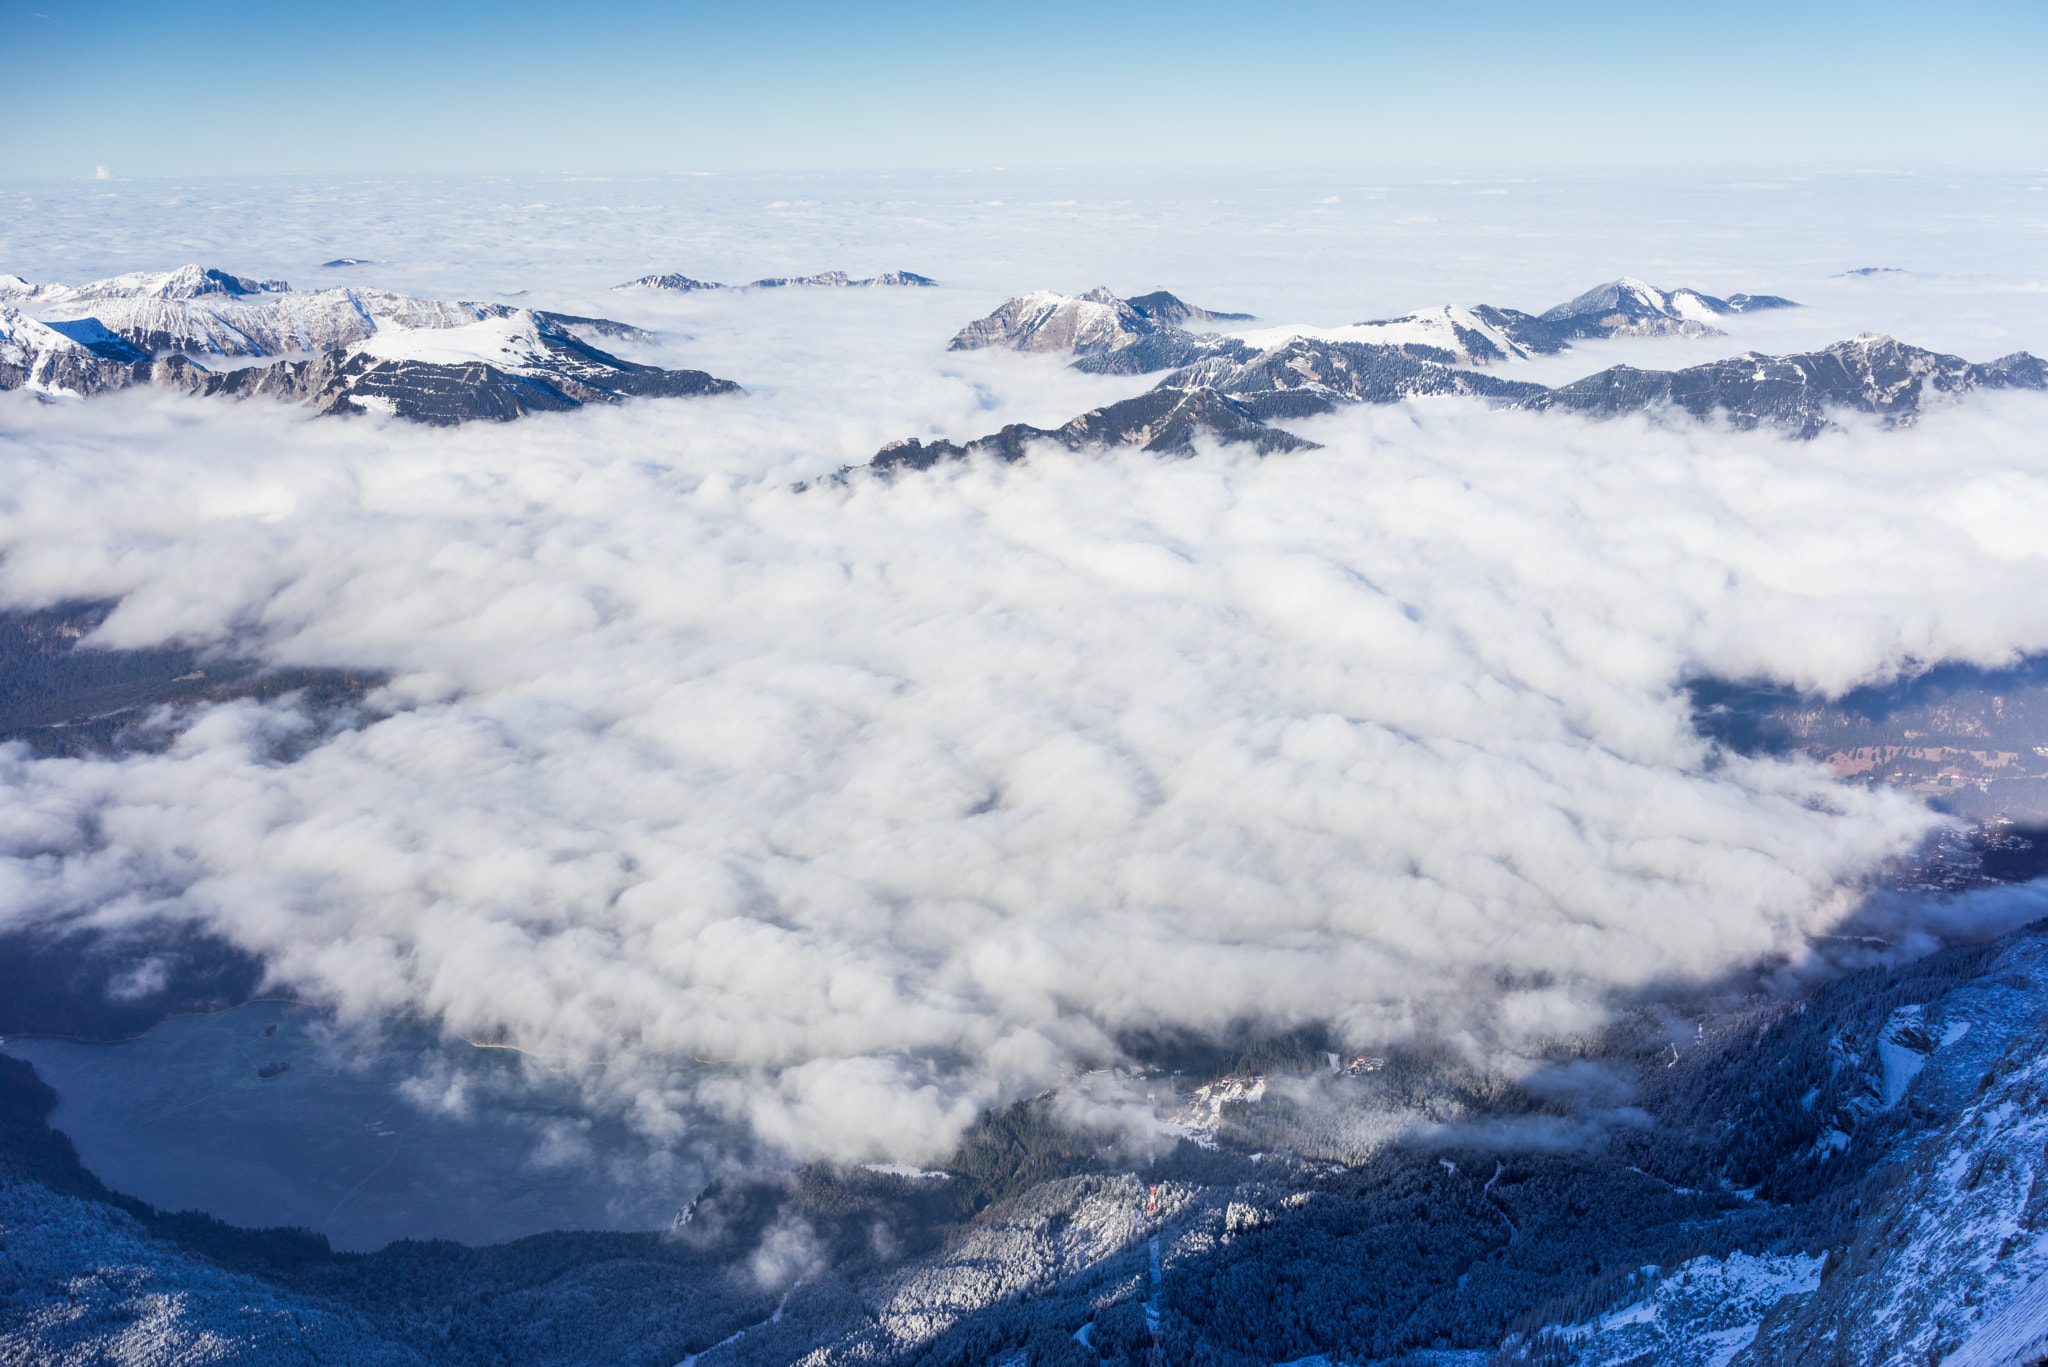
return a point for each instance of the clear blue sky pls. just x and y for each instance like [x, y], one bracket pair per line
[168, 87]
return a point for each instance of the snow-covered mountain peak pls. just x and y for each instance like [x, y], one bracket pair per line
[1043, 320]
[1088, 324]
[185, 282]
[1631, 308]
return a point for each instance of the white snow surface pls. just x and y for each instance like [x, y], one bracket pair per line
[510, 343]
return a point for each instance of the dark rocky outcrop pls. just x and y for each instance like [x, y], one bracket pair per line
[1162, 307]
[1163, 421]
[1169, 349]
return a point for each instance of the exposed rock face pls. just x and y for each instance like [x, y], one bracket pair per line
[826, 279]
[1630, 308]
[1871, 373]
[1163, 421]
[1302, 376]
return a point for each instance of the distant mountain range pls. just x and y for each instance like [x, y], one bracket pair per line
[1112, 336]
[827, 280]
[211, 313]
[340, 350]
[1301, 377]
[442, 361]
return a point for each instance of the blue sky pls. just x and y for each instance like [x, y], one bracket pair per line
[169, 88]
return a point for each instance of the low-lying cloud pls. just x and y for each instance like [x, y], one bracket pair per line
[843, 813]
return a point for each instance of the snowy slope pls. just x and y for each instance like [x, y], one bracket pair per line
[1950, 1257]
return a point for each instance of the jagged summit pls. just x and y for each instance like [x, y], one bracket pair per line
[828, 279]
[1870, 373]
[1629, 308]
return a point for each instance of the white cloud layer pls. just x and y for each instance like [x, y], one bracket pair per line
[849, 811]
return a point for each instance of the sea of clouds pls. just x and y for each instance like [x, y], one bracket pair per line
[845, 811]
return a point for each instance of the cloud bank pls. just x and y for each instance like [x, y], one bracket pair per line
[845, 812]
[890, 801]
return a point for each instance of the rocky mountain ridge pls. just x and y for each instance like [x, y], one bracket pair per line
[1302, 377]
[1164, 421]
[1870, 373]
[1113, 336]
[204, 312]
[494, 369]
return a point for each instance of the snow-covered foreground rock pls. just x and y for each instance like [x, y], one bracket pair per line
[1702, 1313]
